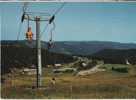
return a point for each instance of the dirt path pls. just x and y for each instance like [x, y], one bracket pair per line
[90, 71]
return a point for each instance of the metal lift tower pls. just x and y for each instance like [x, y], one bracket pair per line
[37, 17]
[37, 20]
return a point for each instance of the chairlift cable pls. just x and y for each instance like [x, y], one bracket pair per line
[24, 11]
[56, 12]
[59, 9]
[19, 31]
[24, 8]
[46, 26]
[53, 28]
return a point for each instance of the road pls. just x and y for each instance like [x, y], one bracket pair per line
[90, 71]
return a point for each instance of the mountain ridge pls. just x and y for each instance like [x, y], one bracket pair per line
[76, 47]
[116, 56]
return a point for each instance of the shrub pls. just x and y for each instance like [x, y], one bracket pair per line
[120, 69]
[69, 71]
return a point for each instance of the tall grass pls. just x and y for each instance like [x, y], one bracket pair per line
[98, 85]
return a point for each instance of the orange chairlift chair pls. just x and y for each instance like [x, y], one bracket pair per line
[29, 34]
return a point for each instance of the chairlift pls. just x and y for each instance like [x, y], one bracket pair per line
[50, 44]
[29, 33]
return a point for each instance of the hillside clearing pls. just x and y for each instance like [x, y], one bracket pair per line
[105, 84]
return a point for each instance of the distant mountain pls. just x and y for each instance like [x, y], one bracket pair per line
[116, 56]
[77, 47]
[90, 47]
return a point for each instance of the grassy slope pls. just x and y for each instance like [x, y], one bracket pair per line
[107, 84]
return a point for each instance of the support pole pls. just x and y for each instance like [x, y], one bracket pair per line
[38, 46]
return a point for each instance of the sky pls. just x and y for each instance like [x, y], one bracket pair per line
[94, 21]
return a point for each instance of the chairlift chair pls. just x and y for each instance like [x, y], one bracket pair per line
[29, 34]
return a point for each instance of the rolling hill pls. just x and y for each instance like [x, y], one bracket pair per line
[116, 56]
[76, 47]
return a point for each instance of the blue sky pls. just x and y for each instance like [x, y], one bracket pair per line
[76, 21]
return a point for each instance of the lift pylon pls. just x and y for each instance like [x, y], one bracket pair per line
[37, 20]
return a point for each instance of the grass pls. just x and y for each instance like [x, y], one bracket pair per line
[108, 84]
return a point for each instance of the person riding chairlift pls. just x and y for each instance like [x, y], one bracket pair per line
[29, 34]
